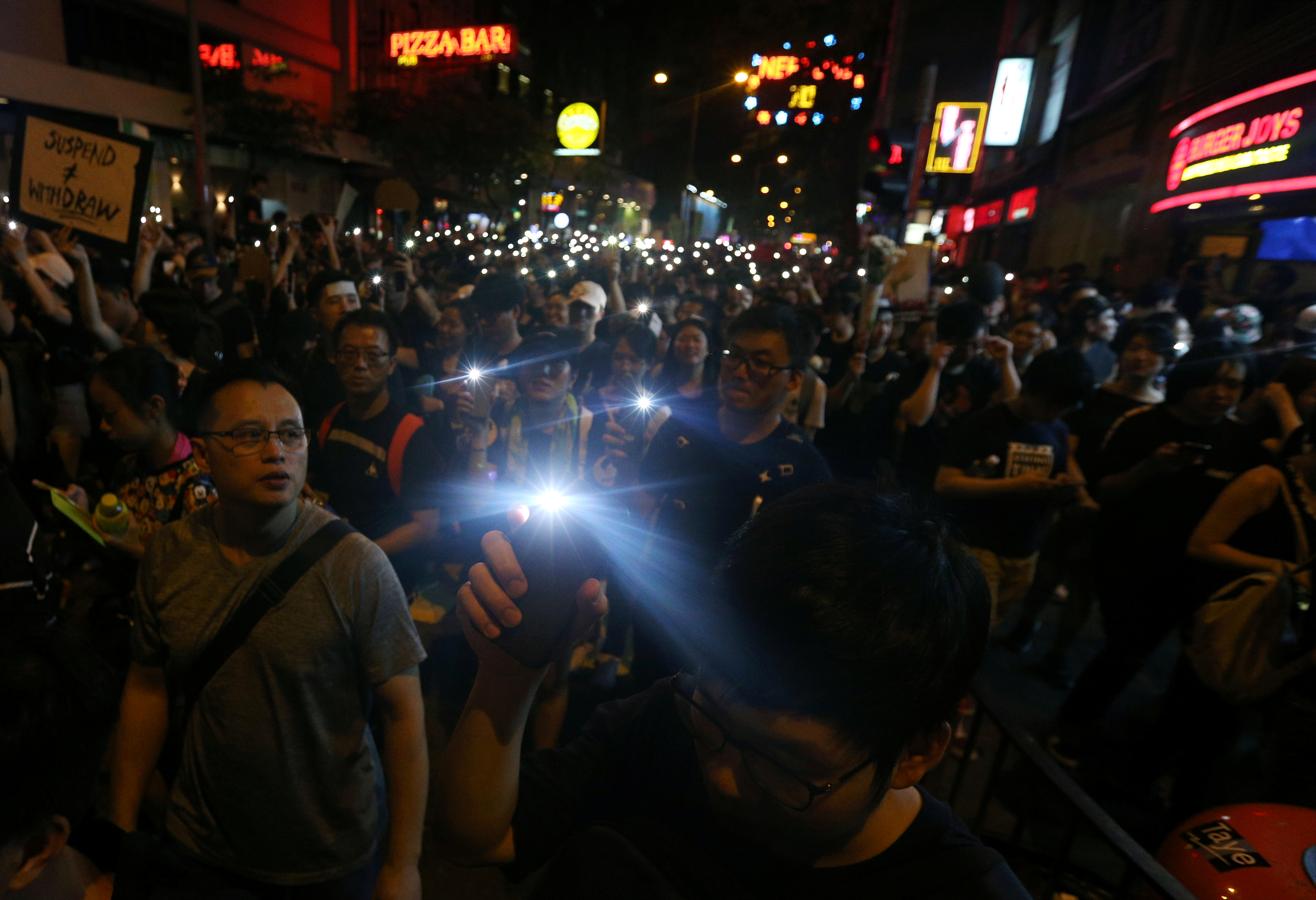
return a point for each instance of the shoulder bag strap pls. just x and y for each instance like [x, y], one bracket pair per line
[1300, 543]
[264, 597]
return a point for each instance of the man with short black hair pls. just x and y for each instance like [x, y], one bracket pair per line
[738, 778]
[377, 462]
[330, 295]
[278, 782]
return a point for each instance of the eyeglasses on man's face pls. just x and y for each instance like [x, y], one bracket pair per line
[248, 440]
[777, 782]
[733, 357]
[374, 357]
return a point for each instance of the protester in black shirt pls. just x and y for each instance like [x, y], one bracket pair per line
[955, 381]
[738, 779]
[1158, 472]
[1007, 468]
[687, 379]
[229, 313]
[330, 296]
[378, 463]
[1093, 326]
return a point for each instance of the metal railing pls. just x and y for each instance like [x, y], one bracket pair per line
[1060, 841]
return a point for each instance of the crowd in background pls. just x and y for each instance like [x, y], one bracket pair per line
[1096, 445]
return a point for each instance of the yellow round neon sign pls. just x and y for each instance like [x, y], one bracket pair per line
[578, 126]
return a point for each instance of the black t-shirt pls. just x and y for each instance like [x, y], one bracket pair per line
[634, 772]
[1102, 359]
[320, 387]
[1090, 422]
[709, 486]
[836, 359]
[352, 468]
[1007, 526]
[1151, 526]
[858, 431]
[959, 393]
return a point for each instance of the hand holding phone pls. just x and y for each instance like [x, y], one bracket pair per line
[534, 595]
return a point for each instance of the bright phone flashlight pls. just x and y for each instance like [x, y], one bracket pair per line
[641, 308]
[643, 401]
[550, 500]
[378, 279]
[474, 374]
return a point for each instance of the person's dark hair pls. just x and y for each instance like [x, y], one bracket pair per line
[960, 321]
[1213, 328]
[1167, 319]
[1157, 335]
[321, 281]
[1283, 275]
[1154, 293]
[841, 303]
[177, 315]
[497, 293]
[57, 707]
[369, 318]
[666, 382]
[812, 323]
[1297, 375]
[874, 625]
[635, 292]
[545, 345]
[1084, 311]
[779, 318]
[1061, 376]
[986, 282]
[466, 311]
[258, 178]
[640, 339]
[139, 373]
[1200, 366]
[253, 370]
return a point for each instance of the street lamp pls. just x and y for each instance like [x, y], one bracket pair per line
[783, 159]
[659, 77]
[764, 189]
[742, 77]
[736, 157]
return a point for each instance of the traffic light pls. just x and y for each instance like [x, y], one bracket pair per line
[886, 170]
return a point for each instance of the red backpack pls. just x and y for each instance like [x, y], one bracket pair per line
[397, 444]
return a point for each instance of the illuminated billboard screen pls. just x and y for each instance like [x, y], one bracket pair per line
[1256, 142]
[956, 138]
[804, 83]
[1014, 81]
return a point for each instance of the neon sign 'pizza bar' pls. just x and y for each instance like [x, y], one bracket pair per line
[407, 47]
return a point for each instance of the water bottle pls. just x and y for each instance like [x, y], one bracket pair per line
[111, 517]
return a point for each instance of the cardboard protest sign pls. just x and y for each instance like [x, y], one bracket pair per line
[94, 183]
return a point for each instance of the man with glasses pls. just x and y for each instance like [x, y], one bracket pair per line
[278, 786]
[705, 479]
[784, 763]
[378, 463]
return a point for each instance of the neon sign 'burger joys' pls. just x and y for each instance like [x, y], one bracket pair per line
[1256, 142]
[1210, 147]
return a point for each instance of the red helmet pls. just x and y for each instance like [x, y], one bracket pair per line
[1250, 851]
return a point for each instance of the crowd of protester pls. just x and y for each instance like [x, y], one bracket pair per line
[811, 507]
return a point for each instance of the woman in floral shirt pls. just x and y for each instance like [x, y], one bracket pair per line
[158, 481]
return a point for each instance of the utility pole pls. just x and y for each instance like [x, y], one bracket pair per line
[201, 163]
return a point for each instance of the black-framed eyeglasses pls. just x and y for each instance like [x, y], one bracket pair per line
[250, 440]
[733, 357]
[776, 781]
[349, 355]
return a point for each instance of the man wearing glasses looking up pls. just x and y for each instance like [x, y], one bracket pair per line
[786, 763]
[278, 777]
[377, 462]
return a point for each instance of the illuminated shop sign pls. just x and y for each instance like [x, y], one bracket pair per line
[1256, 142]
[550, 201]
[1022, 205]
[578, 127]
[804, 84]
[956, 138]
[1014, 79]
[409, 47]
[226, 56]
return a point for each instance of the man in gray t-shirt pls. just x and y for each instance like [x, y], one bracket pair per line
[279, 781]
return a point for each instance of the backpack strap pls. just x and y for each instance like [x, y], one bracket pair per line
[327, 424]
[263, 597]
[397, 449]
